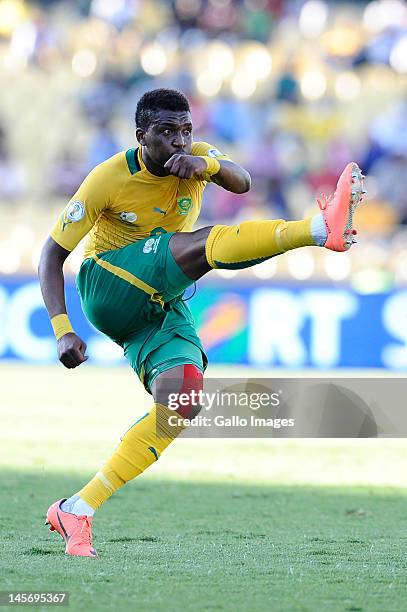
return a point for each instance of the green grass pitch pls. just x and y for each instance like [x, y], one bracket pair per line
[228, 525]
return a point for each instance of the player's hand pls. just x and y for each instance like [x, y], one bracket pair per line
[185, 166]
[71, 350]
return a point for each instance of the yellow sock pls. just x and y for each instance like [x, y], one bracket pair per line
[141, 445]
[251, 242]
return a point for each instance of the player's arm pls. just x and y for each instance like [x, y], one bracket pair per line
[73, 224]
[211, 165]
[232, 177]
[71, 349]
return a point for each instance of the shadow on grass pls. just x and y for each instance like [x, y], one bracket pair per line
[331, 545]
[239, 511]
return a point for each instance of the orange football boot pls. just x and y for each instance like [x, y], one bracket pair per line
[338, 209]
[75, 530]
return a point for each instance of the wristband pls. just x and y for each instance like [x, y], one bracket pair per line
[61, 325]
[212, 165]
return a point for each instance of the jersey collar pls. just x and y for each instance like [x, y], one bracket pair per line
[132, 161]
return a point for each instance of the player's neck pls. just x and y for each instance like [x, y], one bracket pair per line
[152, 166]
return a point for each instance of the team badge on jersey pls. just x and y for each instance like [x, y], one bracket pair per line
[214, 153]
[130, 217]
[75, 211]
[184, 205]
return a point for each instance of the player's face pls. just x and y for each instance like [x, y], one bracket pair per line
[170, 132]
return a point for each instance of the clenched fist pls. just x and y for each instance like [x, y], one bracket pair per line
[185, 166]
[71, 350]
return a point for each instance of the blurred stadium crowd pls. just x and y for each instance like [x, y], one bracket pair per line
[292, 89]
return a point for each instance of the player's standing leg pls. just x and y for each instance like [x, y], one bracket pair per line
[139, 448]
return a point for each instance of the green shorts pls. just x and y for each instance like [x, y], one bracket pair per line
[134, 296]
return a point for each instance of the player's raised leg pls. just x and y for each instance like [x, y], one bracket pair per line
[251, 242]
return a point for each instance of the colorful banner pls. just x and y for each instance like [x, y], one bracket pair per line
[275, 325]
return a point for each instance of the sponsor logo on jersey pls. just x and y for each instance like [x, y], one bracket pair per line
[184, 205]
[151, 245]
[129, 217]
[75, 211]
[214, 153]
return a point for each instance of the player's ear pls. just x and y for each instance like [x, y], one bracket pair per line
[140, 135]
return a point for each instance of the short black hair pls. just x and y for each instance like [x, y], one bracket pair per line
[159, 99]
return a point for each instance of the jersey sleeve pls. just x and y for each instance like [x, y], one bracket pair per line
[204, 148]
[83, 210]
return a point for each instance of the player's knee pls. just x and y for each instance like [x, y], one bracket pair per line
[180, 389]
[189, 396]
[189, 411]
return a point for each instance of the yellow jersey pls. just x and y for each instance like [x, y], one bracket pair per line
[120, 202]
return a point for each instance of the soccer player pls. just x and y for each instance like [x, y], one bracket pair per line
[139, 208]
